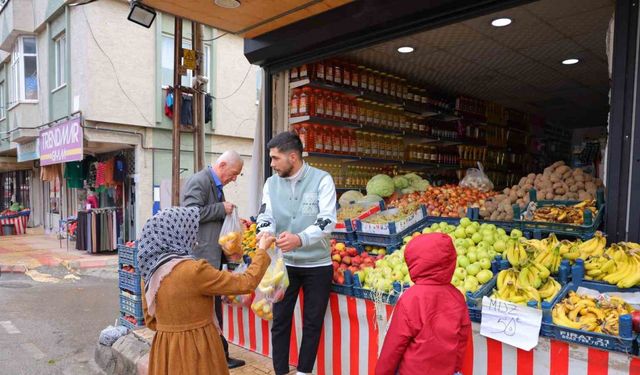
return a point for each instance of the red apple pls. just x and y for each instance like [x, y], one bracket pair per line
[352, 251]
[335, 265]
[364, 254]
[346, 260]
[336, 257]
[342, 267]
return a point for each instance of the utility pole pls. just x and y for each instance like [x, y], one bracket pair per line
[177, 100]
[199, 97]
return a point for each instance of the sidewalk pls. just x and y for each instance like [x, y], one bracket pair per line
[35, 249]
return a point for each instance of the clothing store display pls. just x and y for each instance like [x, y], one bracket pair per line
[99, 230]
[120, 169]
[74, 174]
[50, 172]
[109, 169]
[100, 172]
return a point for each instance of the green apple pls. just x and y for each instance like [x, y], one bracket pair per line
[405, 269]
[482, 254]
[463, 261]
[477, 237]
[435, 226]
[465, 222]
[484, 276]
[476, 225]
[473, 269]
[483, 245]
[362, 275]
[460, 243]
[470, 230]
[443, 225]
[460, 233]
[492, 227]
[485, 263]
[407, 239]
[471, 284]
[455, 281]
[516, 233]
[492, 253]
[460, 273]
[461, 251]
[499, 246]
[427, 230]
[484, 226]
[451, 228]
[501, 232]
[472, 249]
[470, 242]
[489, 238]
[472, 255]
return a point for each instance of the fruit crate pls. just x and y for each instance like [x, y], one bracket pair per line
[541, 229]
[388, 298]
[344, 232]
[473, 213]
[130, 282]
[130, 304]
[474, 300]
[128, 255]
[347, 287]
[123, 322]
[390, 234]
[625, 343]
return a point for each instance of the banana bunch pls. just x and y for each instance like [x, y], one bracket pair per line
[619, 265]
[532, 283]
[593, 247]
[550, 257]
[516, 253]
[588, 314]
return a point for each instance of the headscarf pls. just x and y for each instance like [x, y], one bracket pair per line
[168, 235]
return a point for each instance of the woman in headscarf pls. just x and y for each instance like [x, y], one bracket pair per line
[178, 294]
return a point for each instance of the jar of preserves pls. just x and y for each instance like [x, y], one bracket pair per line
[345, 141]
[303, 71]
[318, 137]
[328, 139]
[337, 72]
[364, 77]
[385, 83]
[319, 70]
[336, 140]
[360, 143]
[366, 143]
[294, 74]
[355, 76]
[346, 74]
[392, 85]
[353, 142]
[353, 113]
[320, 102]
[419, 153]
[328, 71]
[378, 83]
[294, 103]
[369, 113]
[328, 104]
[337, 106]
[303, 106]
[362, 111]
[434, 154]
[371, 82]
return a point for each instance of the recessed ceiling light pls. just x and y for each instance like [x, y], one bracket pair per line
[501, 22]
[230, 4]
[570, 61]
[405, 49]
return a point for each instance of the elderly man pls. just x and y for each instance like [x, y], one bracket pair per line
[204, 190]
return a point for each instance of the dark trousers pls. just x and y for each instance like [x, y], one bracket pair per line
[218, 307]
[316, 285]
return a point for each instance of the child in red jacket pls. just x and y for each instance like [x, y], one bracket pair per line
[430, 324]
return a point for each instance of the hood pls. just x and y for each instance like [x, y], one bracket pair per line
[431, 258]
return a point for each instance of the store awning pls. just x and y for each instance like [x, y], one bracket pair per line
[250, 18]
[10, 163]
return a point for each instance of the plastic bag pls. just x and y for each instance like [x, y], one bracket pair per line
[272, 287]
[231, 236]
[243, 299]
[111, 334]
[477, 179]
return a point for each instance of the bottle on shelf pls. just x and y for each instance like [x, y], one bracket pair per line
[294, 102]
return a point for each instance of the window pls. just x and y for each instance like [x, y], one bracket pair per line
[24, 71]
[60, 48]
[167, 63]
[3, 103]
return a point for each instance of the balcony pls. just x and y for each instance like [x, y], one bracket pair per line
[16, 17]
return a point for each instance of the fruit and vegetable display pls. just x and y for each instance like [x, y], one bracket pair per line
[565, 214]
[557, 182]
[393, 215]
[531, 283]
[346, 258]
[384, 186]
[446, 201]
[387, 270]
[617, 265]
[15, 209]
[249, 240]
[587, 313]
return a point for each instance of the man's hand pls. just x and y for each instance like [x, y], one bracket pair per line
[288, 241]
[228, 207]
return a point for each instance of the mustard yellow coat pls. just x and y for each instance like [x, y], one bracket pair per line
[186, 340]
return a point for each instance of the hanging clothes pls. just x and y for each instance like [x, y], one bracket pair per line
[186, 110]
[109, 168]
[168, 104]
[81, 232]
[208, 104]
[120, 169]
[51, 172]
[74, 174]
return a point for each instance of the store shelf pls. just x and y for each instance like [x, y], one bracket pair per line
[352, 91]
[324, 121]
[380, 161]
[343, 189]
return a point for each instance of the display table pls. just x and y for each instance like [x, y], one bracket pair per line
[18, 220]
[354, 331]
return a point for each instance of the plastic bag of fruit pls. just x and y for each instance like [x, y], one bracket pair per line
[242, 299]
[231, 236]
[477, 179]
[272, 286]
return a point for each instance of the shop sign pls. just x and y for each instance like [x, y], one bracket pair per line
[189, 58]
[510, 323]
[28, 151]
[62, 143]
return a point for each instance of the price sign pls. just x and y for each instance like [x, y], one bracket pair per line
[511, 324]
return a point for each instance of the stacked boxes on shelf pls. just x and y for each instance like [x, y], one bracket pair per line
[131, 315]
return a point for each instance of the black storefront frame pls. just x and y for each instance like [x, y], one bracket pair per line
[622, 217]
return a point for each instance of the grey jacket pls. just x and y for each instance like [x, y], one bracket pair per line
[200, 191]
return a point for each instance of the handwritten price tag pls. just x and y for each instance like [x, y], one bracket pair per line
[511, 324]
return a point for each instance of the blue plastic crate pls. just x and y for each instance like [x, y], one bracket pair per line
[130, 306]
[345, 289]
[123, 322]
[388, 298]
[626, 343]
[388, 240]
[129, 281]
[344, 236]
[128, 255]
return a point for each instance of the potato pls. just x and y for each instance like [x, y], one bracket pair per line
[557, 164]
[573, 196]
[583, 196]
[570, 182]
[563, 169]
[506, 191]
[577, 171]
[547, 171]
[567, 175]
[555, 178]
[523, 181]
[549, 196]
[560, 191]
[528, 187]
[532, 176]
[494, 216]
[521, 193]
[588, 178]
[580, 185]
[590, 186]
[558, 185]
[573, 188]
[513, 197]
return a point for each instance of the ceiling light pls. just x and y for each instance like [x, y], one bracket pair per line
[230, 4]
[405, 49]
[141, 14]
[570, 61]
[501, 22]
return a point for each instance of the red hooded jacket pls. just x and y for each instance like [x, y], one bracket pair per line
[430, 323]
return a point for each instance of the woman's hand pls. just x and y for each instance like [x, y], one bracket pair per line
[266, 241]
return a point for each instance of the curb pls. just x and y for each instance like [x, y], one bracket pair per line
[128, 355]
[90, 263]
